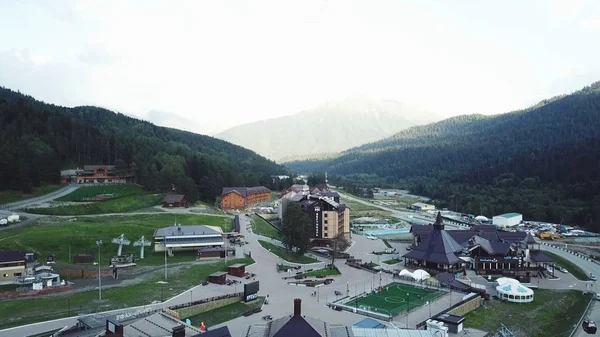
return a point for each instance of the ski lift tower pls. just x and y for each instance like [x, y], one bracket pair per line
[121, 241]
[142, 242]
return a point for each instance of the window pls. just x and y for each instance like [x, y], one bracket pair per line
[324, 234]
[325, 228]
[5, 275]
[17, 274]
[325, 215]
[325, 222]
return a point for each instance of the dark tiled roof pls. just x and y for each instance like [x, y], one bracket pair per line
[245, 191]
[11, 256]
[438, 247]
[93, 167]
[511, 237]
[296, 325]
[236, 223]
[450, 318]
[539, 256]
[492, 247]
[218, 332]
[172, 198]
[529, 239]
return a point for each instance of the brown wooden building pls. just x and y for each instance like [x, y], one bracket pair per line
[219, 277]
[98, 174]
[175, 200]
[238, 269]
[242, 197]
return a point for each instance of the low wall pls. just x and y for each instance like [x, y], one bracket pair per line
[83, 273]
[202, 307]
[466, 307]
[45, 291]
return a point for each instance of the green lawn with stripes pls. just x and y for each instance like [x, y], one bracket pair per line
[396, 298]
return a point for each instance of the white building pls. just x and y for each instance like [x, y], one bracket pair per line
[419, 206]
[507, 220]
[179, 237]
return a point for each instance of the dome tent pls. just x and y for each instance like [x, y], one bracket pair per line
[417, 275]
[511, 290]
[481, 218]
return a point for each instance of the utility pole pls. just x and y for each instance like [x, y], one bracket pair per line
[165, 243]
[407, 308]
[99, 243]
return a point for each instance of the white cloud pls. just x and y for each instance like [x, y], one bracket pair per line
[223, 63]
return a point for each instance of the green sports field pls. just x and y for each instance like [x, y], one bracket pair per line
[396, 298]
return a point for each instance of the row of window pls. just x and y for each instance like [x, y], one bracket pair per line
[15, 275]
[516, 297]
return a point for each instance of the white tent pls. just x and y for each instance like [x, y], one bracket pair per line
[511, 290]
[481, 218]
[417, 275]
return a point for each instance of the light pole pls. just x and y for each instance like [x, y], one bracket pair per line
[407, 308]
[347, 288]
[99, 243]
[191, 296]
[165, 243]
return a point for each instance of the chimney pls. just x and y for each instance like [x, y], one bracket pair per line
[179, 331]
[297, 307]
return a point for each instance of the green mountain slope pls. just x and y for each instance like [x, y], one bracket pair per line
[37, 139]
[543, 161]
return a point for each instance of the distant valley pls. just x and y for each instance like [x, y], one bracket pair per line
[328, 128]
[542, 161]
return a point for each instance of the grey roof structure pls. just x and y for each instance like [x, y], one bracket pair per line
[157, 325]
[186, 231]
[438, 247]
[509, 215]
[492, 247]
[173, 198]
[364, 332]
[296, 325]
[529, 239]
[539, 256]
[245, 191]
[11, 256]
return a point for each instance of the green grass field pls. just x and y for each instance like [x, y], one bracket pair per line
[328, 271]
[396, 298]
[87, 193]
[356, 206]
[83, 232]
[262, 227]
[129, 203]
[12, 196]
[27, 311]
[284, 254]
[225, 313]
[568, 265]
[552, 313]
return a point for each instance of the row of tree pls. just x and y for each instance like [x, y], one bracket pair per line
[39, 139]
[542, 161]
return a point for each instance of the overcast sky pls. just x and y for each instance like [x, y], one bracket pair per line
[209, 65]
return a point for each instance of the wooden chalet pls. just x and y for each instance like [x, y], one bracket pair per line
[243, 197]
[175, 200]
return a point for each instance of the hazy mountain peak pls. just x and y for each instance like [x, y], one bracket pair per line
[329, 127]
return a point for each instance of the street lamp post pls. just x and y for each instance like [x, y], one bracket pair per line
[99, 243]
[191, 296]
[407, 308]
[347, 288]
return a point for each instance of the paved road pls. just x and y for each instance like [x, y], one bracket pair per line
[45, 198]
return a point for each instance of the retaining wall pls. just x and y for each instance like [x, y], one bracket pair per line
[466, 307]
[202, 307]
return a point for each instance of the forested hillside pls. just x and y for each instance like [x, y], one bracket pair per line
[38, 139]
[543, 162]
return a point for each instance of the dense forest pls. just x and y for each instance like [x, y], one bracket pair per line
[38, 139]
[543, 161]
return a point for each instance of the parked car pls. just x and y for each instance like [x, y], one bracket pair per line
[593, 277]
[589, 326]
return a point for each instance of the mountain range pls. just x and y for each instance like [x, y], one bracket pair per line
[542, 161]
[328, 128]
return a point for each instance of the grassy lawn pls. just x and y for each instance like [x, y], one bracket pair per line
[83, 232]
[284, 254]
[356, 206]
[283, 267]
[8, 287]
[396, 298]
[118, 205]
[392, 261]
[89, 192]
[262, 227]
[328, 271]
[226, 313]
[552, 313]
[568, 265]
[12, 196]
[20, 312]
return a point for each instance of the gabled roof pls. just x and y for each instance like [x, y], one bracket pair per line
[93, 167]
[11, 256]
[539, 256]
[173, 198]
[245, 191]
[492, 247]
[529, 239]
[296, 325]
[439, 247]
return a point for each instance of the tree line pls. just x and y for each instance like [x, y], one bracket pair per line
[542, 161]
[39, 139]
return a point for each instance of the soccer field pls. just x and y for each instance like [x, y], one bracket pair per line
[396, 298]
